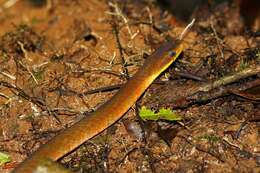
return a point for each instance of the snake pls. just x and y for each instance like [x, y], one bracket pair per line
[108, 113]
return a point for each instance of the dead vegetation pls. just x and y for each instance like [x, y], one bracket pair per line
[62, 60]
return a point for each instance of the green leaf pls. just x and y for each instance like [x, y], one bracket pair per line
[164, 113]
[4, 158]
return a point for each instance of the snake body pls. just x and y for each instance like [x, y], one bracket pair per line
[108, 113]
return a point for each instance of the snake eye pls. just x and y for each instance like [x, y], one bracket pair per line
[172, 53]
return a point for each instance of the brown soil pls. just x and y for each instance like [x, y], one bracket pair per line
[52, 53]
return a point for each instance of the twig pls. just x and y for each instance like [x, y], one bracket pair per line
[218, 88]
[10, 3]
[217, 39]
[186, 29]
[22, 94]
[8, 75]
[119, 45]
[69, 92]
[118, 12]
[60, 110]
[118, 42]
[248, 96]
[101, 89]
[25, 66]
[231, 78]
[188, 75]
[29, 71]
[5, 96]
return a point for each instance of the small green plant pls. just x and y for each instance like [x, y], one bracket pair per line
[243, 64]
[4, 158]
[39, 75]
[4, 57]
[164, 114]
[258, 55]
[210, 138]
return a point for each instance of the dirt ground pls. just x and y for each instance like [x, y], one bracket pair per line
[53, 57]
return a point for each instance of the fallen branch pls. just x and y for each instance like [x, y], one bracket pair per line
[231, 78]
[219, 88]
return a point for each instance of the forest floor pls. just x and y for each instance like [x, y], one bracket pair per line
[55, 59]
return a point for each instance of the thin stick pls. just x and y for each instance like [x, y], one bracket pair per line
[231, 78]
[186, 29]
